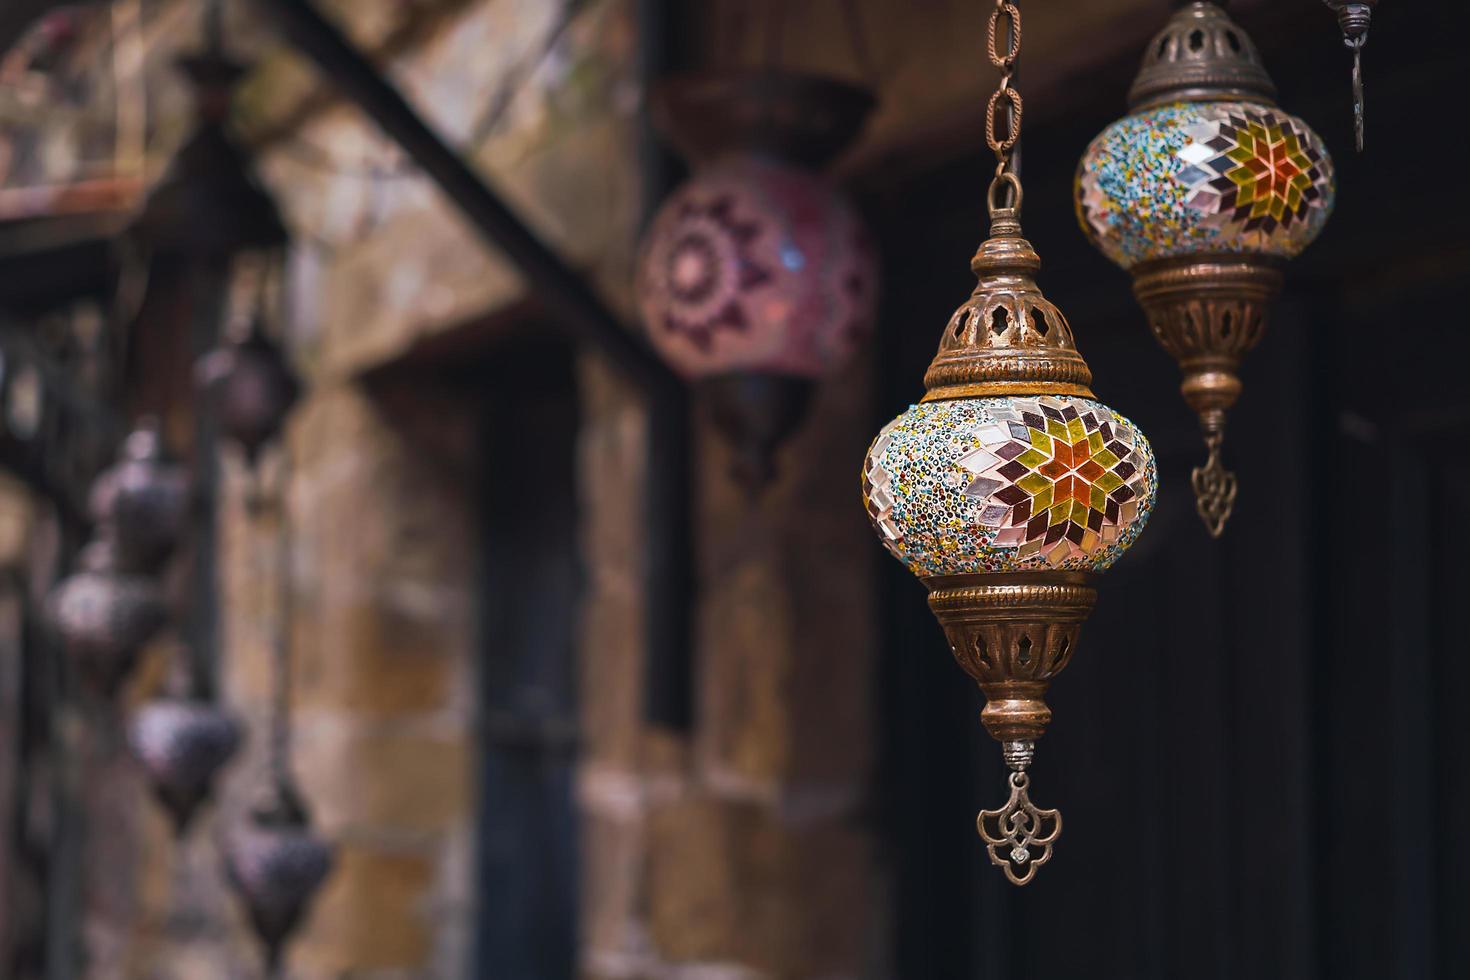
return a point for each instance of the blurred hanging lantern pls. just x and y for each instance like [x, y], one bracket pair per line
[1007, 489]
[104, 616]
[276, 861]
[1355, 17]
[1202, 194]
[209, 205]
[756, 276]
[277, 864]
[250, 385]
[182, 742]
[142, 501]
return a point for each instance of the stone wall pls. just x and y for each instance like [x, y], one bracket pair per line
[741, 852]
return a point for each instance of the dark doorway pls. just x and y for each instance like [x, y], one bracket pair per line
[531, 584]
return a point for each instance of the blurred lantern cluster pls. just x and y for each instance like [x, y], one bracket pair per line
[206, 224]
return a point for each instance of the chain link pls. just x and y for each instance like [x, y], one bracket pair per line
[1006, 62]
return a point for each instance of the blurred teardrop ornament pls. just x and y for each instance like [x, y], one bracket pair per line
[182, 744]
[104, 616]
[142, 501]
[277, 864]
[250, 384]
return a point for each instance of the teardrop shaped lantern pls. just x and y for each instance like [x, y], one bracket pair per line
[1203, 193]
[182, 744]
[250, 385]
[142, 501]
[1007, 489]
[277, 864]
[757, 277]
[104, 616]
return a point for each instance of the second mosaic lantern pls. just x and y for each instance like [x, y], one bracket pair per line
[756, 277]
[1007, 489]
[1203, 193]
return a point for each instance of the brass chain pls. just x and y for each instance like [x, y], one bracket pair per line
[1006, 62]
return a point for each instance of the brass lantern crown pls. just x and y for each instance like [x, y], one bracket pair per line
[1201, 55]
[1007, 337]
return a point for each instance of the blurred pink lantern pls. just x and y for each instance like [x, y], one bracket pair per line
[757, 277]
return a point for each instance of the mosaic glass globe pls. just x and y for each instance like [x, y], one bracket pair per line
[1009, 484]
[1204, 177]
[757, 265]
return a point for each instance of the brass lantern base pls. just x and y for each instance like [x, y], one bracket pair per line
[1013, 633]
[1208, 311]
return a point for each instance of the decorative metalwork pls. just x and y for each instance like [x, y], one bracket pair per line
[1214, 488]
[1203, 193]
[1355, 17]
[1019, 835]
[1008, 488]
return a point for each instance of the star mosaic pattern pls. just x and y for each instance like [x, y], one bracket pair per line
[1197, 177]
[1007, 484]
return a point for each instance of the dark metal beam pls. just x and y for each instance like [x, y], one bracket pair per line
[566, 295]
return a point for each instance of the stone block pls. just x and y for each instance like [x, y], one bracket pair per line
[386, 778]
[729, 883]
[371, 914]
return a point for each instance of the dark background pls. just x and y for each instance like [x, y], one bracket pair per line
[1260, 750]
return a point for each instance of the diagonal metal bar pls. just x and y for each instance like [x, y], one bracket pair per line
[668, 698]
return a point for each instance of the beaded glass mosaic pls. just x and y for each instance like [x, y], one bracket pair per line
[1192, 178]
[1009, 484]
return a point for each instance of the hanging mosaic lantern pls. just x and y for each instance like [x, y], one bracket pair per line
[1203, 193]
[1355, 17]
[104, 616]
[757, 277]
[209, 205]
[142, 501]
[182, 744]
[277, 864]
[250, 385]
[1007, 489]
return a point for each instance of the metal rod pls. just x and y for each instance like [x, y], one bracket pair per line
[668, 670]
[668, 695]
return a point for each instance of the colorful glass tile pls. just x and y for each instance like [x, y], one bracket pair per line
[1200, 177]
[950, 491]
[756, 265]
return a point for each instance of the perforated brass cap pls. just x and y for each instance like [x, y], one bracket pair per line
[1201, 55]
[1007, 338]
